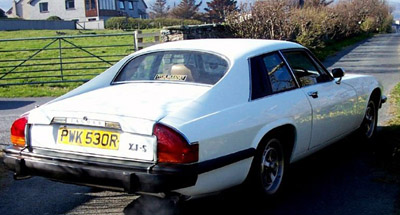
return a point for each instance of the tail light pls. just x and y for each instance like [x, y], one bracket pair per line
[18, 131]
[172, 147]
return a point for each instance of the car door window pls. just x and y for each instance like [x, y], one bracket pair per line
[278, 73]
[305, 70]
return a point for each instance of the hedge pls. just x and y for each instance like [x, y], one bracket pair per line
[131, 23]
[311, 26]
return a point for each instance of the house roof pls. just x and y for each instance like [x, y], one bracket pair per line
[145, 4]
[9, 11]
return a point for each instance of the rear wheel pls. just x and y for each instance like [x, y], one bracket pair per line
[268, 168]
[368, 126]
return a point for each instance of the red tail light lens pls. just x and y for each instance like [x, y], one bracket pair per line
[173, 148]
[18, 131]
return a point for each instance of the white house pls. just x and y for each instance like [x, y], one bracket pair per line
[80, 10]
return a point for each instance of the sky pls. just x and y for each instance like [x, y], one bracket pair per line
[6, 4]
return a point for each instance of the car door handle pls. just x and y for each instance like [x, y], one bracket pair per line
[313, 94]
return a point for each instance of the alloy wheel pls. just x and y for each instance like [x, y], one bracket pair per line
[272, 166]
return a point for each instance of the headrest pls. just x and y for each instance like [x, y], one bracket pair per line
[180, 69]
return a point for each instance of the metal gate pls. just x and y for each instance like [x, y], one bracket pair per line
[65, 59]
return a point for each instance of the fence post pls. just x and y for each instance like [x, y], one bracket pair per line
[157, 38]
[138, 40]
[135, 41]
[60, 56]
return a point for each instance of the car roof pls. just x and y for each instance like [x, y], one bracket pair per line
[231, 48]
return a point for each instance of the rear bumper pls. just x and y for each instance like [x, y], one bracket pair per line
[383, 100]
[135, 177]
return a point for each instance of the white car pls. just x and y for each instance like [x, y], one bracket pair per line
[195, 117]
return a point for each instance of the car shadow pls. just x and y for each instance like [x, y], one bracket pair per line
[348, 177]
[9, 105]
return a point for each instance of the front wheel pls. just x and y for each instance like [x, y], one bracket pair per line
[268, 168]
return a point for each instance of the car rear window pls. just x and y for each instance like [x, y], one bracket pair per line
[177, 66]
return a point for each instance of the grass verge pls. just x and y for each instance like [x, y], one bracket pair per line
[389, 140]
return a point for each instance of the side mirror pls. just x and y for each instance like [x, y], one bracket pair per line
[338, 73]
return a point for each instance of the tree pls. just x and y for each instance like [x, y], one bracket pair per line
[160, 9]
[187, 9]
[217, 10]
[314, 3]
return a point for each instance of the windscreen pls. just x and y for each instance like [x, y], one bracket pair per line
[177, 66]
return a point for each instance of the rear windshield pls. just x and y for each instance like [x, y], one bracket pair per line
[181, 66]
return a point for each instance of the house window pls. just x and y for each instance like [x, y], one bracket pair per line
[121, 5]
[44, 7]
[69, 4]
[107, 4]
[130, 5]
[90, 4]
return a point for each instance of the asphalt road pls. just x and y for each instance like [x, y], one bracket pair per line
[346, 178]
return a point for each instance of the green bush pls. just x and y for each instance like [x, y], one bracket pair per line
[131, 23]
[368, 25]
[54, 18]
[386, 26]
[313, 27]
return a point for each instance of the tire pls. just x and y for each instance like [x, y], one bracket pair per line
[368, 127]
[269, 168]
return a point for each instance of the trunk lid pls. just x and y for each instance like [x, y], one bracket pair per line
[77, 124]
[149, 101]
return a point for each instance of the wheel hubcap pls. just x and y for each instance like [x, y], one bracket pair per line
[272, 166]
[369, 121]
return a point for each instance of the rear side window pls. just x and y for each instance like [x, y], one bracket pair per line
[278, 73]
[269, 75]
[176, 66]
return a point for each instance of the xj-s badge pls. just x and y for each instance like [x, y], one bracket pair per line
[136, 147]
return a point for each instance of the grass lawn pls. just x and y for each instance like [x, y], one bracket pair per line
[77, 64]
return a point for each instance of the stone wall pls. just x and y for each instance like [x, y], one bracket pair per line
[175, 33]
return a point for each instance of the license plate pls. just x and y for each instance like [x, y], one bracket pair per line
[89, 138]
